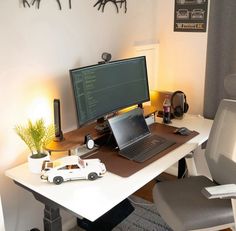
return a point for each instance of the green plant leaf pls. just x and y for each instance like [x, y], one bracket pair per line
[36, 135]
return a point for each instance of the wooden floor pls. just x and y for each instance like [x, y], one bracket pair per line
[146, 191]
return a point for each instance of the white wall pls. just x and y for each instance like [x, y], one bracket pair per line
[182, 61]
[38, 47]
[182, 58]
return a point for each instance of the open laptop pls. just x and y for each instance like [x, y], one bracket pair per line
[134, 138]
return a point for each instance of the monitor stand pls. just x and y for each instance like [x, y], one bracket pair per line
[102, 125]
[140, 105]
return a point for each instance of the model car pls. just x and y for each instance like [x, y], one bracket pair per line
[72, 168]
[197, 14]
[182, 14]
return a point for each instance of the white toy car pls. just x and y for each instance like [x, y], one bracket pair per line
[72, 168]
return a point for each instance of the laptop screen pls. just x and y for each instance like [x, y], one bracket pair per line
[129, 127]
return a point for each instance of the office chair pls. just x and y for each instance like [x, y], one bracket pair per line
[182, 204]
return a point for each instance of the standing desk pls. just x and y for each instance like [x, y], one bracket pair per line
[92, 199]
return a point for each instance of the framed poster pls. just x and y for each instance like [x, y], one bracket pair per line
[190, 15]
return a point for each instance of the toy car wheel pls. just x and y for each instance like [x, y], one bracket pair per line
[92, 176]
[57, 180]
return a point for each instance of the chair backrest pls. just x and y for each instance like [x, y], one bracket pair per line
[221, 146]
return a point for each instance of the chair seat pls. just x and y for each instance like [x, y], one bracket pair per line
[169, 198]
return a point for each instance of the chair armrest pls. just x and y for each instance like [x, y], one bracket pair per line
[226, 191]
[204, 144]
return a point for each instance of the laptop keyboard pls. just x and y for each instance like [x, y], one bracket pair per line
[146, 148]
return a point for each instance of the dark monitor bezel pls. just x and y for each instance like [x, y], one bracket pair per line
[139, 102]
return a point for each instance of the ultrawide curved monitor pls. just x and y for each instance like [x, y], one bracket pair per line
[105, 88]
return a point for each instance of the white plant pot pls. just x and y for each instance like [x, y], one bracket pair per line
[35, 164]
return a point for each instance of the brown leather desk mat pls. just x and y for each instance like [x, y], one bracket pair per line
[124, 167]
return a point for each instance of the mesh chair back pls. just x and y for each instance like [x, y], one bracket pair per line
[221, 146]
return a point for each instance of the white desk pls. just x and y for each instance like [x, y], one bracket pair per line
[92, 199]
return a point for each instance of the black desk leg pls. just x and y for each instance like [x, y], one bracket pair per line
[181, 168]
[52, 219]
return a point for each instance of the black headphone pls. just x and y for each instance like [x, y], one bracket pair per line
[179, 110]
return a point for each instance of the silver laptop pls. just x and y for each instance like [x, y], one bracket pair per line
[134, 138]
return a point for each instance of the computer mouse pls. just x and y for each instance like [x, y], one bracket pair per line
[182, 131]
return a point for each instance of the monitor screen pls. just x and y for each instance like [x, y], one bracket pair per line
[105, 88]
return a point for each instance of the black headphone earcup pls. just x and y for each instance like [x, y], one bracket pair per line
[186, 107]
[178, 111]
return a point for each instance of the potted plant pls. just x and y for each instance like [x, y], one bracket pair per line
[36, 136]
